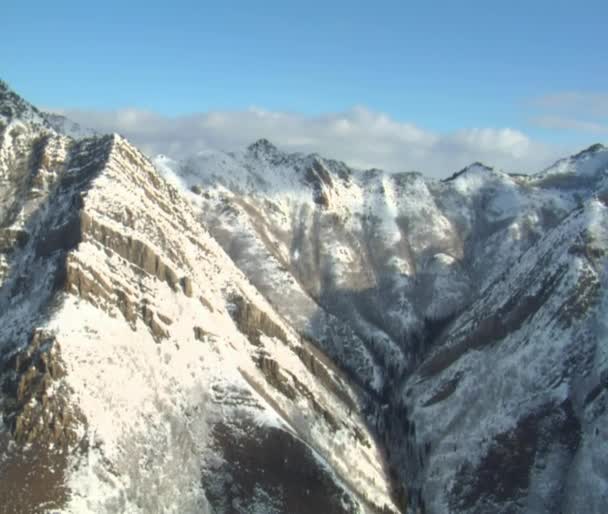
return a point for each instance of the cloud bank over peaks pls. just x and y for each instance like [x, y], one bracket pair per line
[361, 137]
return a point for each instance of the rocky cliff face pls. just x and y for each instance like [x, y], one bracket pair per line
[471, 310]
[141, 371]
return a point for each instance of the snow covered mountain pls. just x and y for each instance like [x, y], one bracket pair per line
[141, 371]
[472, 310]
[263, 332]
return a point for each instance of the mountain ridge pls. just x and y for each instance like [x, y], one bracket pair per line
[391, 264]
[277, 332]
[132, 348]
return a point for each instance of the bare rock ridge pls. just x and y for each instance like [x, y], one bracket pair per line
[138, 362]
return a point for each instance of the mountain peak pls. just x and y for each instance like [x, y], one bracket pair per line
[597, 147]
[479, 165]
[12, 106]
[262, 147]
[476, 166]
[590, 162]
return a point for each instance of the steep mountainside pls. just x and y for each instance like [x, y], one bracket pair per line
[263, 332]
[140, 370]
[472, 310]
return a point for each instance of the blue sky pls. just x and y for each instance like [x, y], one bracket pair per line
[537, 67]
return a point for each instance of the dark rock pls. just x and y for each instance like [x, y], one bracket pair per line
[33, 413]
[444, 391]
[186, 283]
[320, 180]
[252, 322]
[131, 249]
[200, 333]
[11, 239]
[503, 473]
[272, 373]
[149, 316]
[165, 319]
[276, 463]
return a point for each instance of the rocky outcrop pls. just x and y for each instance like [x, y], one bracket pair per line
[11, 239]
[272, 373]
[32, 476]
[38, 407]
[186, 284]
[12, 106]
[253, 322]
[319, 179]
[89, 284]
[157, 322]
[133, 250]
[324, 371]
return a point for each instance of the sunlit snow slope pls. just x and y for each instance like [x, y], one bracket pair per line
[141, 370]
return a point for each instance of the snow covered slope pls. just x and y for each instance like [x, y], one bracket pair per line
[509, 405]
[141, 371]
[470, 309]
[262, 332]
[386, 254]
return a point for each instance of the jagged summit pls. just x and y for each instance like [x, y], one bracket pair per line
[262, 148]
[473, 167]
[13, 107]
[597, 147]
[590, 164]
[4, 87]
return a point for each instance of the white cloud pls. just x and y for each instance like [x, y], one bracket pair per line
[359, 136]
[586, 113]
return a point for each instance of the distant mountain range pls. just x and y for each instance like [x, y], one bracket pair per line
[265, 332]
